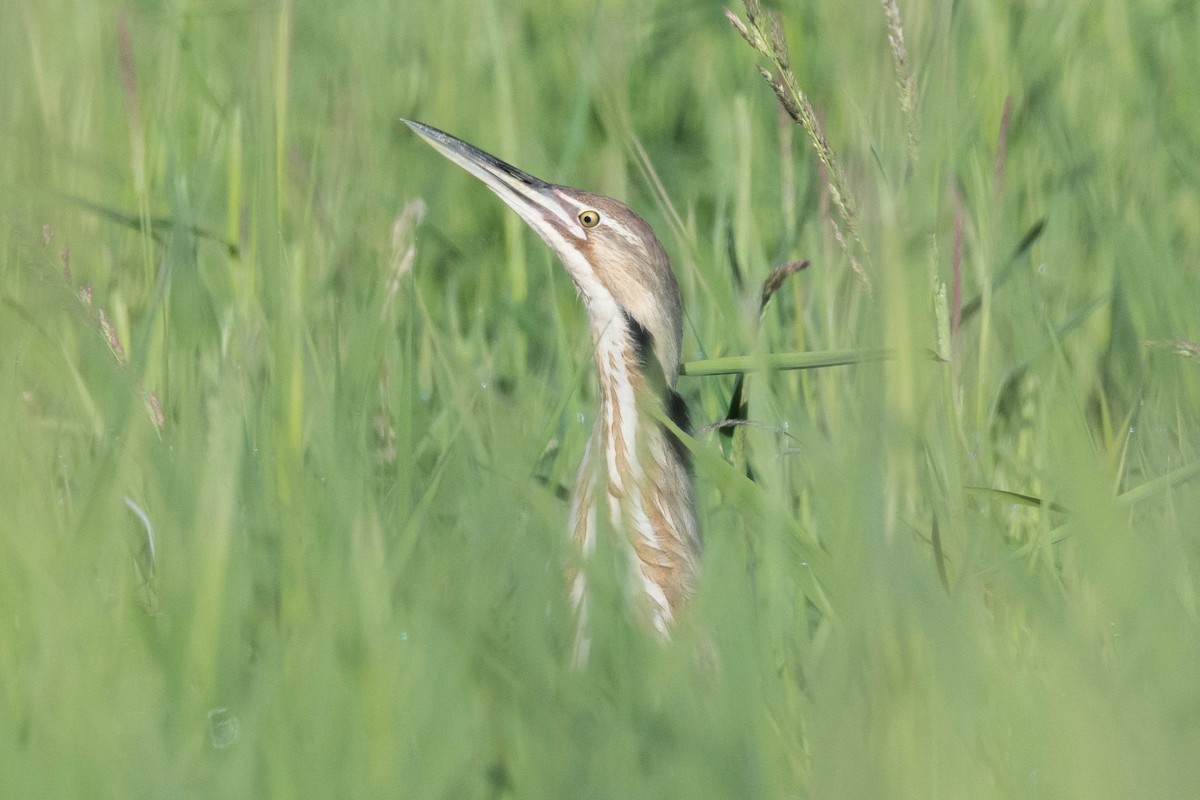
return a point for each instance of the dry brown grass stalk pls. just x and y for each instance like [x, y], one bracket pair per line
[772, 44]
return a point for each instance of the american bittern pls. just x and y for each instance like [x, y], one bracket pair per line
[624, 277]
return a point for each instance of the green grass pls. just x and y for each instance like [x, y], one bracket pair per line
[970, 576]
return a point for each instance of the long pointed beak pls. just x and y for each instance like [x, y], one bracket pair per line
[537, 202]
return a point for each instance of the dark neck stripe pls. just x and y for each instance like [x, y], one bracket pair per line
[676, 407]
[643, 340]
[677, 410]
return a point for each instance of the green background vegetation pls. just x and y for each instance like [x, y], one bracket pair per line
[355, 587]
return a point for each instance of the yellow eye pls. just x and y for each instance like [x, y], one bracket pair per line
[589, 218]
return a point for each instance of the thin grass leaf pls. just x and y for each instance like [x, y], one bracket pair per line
[1014, 497]
[1159, 485]
[736, 365]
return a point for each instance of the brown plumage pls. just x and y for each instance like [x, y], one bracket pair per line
[633, 468]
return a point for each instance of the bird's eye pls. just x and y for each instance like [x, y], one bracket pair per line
[589, 218]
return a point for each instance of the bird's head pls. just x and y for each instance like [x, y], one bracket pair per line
[616, 262]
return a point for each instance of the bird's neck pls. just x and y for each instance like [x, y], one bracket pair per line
[644, 471]
[635, 469]
[619, 426]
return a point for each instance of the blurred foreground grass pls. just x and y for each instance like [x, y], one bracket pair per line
[285, 398]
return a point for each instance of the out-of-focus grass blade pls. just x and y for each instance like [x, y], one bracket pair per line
[1147, 490]
[939, 554]
[1168, 481]
[1126, 499]
[159, 226]
[971, 307]
[736, 365]
[1015, 497]
[751, 502]
[1135, 495]
[1009, 394]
